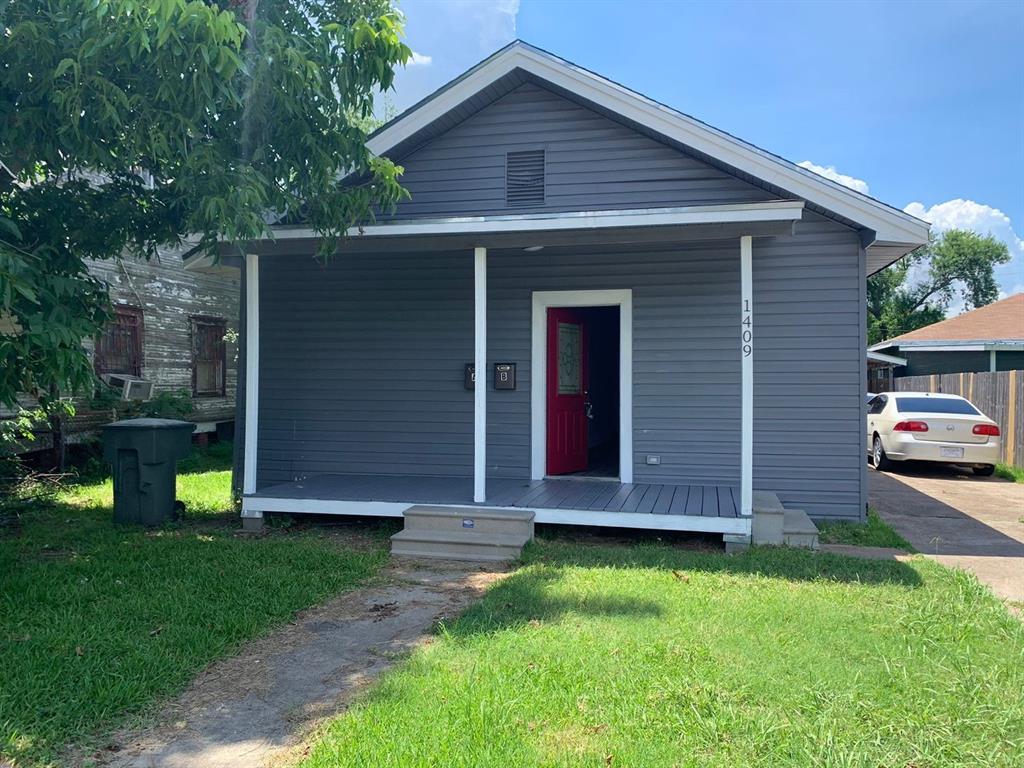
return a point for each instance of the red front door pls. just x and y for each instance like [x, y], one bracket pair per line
[567, 391]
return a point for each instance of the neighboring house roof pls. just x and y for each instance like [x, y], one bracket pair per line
[888, 232]
[994, 326]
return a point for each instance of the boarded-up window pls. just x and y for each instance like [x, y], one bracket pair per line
[119, 347]
[209, 356]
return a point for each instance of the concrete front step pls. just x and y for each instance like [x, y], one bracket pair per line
[512, 522]
[773, 524]
[766, 501]
[798, 530]
[458, 545]
[767, 525]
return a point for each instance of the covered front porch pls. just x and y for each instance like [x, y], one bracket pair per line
[368, 379]
[571, 501]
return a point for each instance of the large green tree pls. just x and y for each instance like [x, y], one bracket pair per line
[131, 124]
[917, 290]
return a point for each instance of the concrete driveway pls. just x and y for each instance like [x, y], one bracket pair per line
[960, 520]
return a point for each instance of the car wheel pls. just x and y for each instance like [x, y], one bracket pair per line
[878, 457]
[984, 471]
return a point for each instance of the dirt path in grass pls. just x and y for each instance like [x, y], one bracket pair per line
[254, 709]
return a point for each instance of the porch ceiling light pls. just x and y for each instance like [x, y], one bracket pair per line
[533, 248]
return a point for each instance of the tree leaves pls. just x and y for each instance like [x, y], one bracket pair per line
[956, 264]
[230, 118]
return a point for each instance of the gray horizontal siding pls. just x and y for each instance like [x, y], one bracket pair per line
[809, 369]
[361, 362]
[361, 365]
[592, 162]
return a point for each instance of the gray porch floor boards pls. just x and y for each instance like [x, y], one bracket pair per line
[554, 493]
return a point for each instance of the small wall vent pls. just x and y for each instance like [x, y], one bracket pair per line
[524, 177]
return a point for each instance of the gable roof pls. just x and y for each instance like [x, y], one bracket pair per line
[887, 232]
[1001, 322]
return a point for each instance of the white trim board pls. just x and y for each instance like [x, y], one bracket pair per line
[252, 370]
[732, 213]
[255, 507]
[889, 224]
[878, 357]
[747, 343]
[951, 346]
[480, 372]
[542, 300]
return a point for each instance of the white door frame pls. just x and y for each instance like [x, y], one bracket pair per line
[542, 300]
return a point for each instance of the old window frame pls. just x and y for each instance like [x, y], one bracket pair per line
[196, 322]
[106, 342]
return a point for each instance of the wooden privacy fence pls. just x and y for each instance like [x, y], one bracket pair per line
[999, 395]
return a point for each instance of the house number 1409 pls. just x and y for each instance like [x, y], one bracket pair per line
[747, 324]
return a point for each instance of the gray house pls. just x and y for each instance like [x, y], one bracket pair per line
[592, 307]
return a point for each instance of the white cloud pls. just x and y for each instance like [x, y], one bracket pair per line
[497, 22]
[954, 214]
[967, 214]
[419, 60]
[829, 172]
[457, 34]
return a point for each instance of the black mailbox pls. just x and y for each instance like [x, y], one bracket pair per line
[470, 375]
[504, 375]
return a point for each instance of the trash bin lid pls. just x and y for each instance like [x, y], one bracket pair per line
[149, 424]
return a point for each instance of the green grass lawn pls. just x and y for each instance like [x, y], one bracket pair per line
[875, 532]
[100, 621]
[1016, 474]
[654, 656]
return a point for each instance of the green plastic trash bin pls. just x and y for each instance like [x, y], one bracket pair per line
[144, 454]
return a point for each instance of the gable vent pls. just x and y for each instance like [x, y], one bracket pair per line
[524, 177]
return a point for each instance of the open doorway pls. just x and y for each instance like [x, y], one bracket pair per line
[583, 391]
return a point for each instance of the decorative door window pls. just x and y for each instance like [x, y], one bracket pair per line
[570, 359]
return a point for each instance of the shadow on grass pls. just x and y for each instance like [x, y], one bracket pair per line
[531, 594]
[773, 562]
[525, 597]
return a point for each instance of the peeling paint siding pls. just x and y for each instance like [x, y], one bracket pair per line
[169, 295]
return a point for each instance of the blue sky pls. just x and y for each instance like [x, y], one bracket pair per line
[919, 103]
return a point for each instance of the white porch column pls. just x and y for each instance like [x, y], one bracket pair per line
[992, 360]
[480, 367]
[747, 376]
[252, 369]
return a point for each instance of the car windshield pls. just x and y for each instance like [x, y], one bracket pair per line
[935, 405]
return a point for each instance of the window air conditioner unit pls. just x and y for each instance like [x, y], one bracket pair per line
[132, 387]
